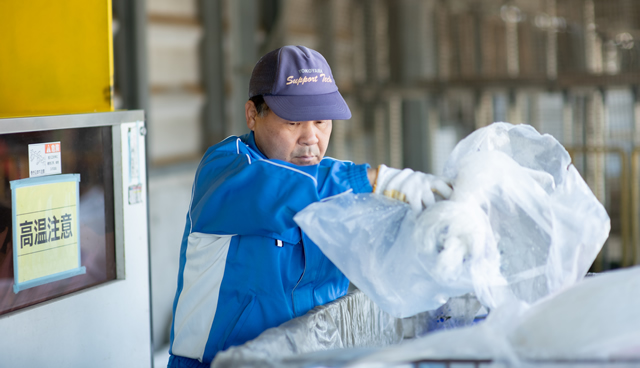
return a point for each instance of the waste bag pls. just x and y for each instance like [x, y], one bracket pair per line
[521, 224]
[594, 323]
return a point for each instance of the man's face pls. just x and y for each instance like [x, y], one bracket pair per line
[298, 142]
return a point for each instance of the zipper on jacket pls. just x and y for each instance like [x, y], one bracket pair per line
[293, 300]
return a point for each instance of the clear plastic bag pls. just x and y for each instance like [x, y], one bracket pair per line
[594, 323]
[521, 224]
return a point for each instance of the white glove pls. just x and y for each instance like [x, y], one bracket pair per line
[413, 187]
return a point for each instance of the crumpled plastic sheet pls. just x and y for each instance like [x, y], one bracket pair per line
[346, 329]
[594, 323]
[521, 224]
[456, 312]
[352, 321]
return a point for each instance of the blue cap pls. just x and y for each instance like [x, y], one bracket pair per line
[297, 84]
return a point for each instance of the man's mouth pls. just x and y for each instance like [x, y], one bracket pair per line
[306, 159]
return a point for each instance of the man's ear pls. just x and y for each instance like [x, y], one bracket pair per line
[250, 114]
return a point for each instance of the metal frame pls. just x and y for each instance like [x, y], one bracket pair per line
[449, 362]
[69, 320]
[585, 363]
[41, 123]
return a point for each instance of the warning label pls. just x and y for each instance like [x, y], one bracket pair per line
[44, 159]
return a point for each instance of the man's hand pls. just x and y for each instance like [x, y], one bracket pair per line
[413, 187]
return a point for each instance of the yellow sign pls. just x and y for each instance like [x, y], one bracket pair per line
[46, 238]
[56, 57]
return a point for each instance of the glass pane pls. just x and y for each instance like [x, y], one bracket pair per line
[85, 151]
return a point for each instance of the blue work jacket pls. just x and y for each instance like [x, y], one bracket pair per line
[245, 265]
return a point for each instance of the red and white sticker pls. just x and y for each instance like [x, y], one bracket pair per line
[44, 159]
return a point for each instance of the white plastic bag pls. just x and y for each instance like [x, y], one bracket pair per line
[521, 223]
[594, 323]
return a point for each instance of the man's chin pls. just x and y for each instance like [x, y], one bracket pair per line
[305, 161]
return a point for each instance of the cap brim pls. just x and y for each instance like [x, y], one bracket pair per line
[330, 106]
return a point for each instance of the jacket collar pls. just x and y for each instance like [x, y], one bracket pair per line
[250, 140]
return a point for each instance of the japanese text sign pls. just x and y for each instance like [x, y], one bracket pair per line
[46, 239]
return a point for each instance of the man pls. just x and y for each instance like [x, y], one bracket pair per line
[245, 265]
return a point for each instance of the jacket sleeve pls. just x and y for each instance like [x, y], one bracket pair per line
[233, 194]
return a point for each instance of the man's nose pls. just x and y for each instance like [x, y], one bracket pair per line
[308, 134]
